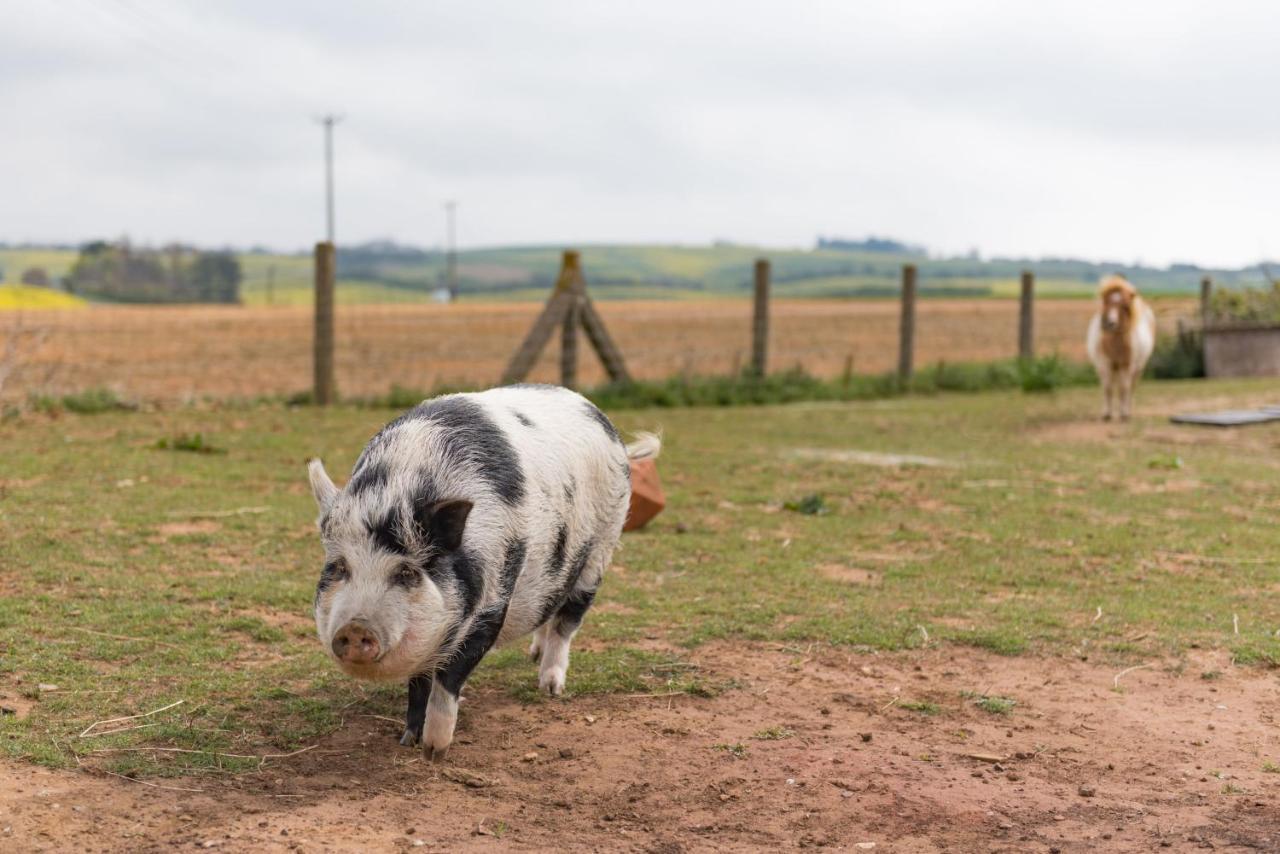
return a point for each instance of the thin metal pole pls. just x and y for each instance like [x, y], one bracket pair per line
[328, 121]
[451, 258]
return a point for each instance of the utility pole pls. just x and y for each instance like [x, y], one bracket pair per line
[328, 121]
[451, 251]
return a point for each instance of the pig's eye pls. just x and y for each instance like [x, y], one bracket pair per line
[334, 571]
[406, 576]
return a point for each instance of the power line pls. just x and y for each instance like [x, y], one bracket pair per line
[451, 256]
[328, 121]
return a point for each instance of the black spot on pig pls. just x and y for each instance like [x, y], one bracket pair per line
[387, 534]
[372, 476]
[470, 436]
[570, 615]
[480, 638]
[470, 577]
[556, 564]
[553, 603]
[334, 571]
[605, 424]
[522, 418]
[512, 564]
[416, 716]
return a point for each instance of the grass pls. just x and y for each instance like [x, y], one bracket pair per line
[774, 733]
[923, 707]
[132, 579]
[194, 443]
[992, 704]
[91, 401]
[1042, 374]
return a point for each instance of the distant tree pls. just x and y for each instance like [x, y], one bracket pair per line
[216, 277]
[118, 272]
[36, 276]
[872, 244]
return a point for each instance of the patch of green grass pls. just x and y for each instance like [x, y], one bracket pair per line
[1029, 526]
[991, 703]
[618, 669]
[1269, 767]
[810, 505]
[88, 402]
[192, 442]
[774, 733]
[924, 707]
[737, 751]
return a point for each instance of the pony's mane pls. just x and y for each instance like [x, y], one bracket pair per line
[1116, 283]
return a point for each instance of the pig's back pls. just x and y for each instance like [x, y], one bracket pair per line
[577, 490]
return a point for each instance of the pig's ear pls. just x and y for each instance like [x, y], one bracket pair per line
[321, 485]
[444, 522]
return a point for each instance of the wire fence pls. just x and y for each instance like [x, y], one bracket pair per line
[179, 354]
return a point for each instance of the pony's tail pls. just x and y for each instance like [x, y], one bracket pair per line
[646, 446]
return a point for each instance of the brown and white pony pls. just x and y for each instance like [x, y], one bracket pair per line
[1121, 337]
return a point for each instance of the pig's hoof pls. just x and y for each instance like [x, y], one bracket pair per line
[410, 738]
[434, 754]
[552, 681]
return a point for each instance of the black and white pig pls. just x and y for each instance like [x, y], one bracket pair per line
[469, 521]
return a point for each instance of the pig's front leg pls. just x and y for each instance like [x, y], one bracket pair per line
[442, 708]
[419, 690]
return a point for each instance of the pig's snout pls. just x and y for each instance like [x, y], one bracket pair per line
[356, 643]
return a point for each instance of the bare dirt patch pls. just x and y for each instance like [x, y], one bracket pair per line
[186, 529]
[814, 749]
[849, 574]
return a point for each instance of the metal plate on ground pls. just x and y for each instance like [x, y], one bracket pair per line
[1229, 417]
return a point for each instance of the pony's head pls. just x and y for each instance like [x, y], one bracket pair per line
[1117, 297]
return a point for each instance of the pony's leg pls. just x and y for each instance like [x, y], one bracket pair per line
[1109, 392]
[1127, 383]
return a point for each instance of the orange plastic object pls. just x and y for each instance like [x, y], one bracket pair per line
[647, 499]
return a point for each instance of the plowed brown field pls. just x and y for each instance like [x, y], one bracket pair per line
[173, 353]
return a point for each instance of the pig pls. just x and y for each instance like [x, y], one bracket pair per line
[470, 521]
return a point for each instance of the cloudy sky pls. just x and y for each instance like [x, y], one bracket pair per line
[1119, 130]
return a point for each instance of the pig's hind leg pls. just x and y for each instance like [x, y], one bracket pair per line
[415, 717]
[561, 628]
[539, 641]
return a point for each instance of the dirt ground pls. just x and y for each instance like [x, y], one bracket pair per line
[1168, 760]
[181, 352]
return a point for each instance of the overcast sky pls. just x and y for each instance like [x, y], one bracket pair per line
[1119, 130]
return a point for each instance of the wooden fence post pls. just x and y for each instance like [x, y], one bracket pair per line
[760, 320]
[569, 345]
[325, 275]
[907, 329]
[1026, 306]
[1206, 291]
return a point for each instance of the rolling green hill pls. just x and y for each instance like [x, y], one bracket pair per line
[383, 272]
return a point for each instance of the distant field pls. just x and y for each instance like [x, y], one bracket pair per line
[629, 272]
[14, 262]
[19, 297]
[180, 352]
